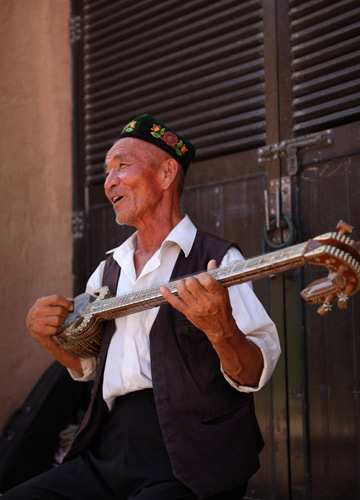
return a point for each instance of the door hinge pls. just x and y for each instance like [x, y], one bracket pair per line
[78, 224]
[75, 28]
[290, 147]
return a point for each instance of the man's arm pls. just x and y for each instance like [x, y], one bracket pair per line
[205, 302]
[44, 320]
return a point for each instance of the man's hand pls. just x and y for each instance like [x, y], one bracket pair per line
[47, 316]
[206, 304]
[44, 320]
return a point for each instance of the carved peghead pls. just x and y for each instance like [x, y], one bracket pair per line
[344, 228]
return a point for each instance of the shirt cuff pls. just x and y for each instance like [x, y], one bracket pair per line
[88, 366]
[270, 357]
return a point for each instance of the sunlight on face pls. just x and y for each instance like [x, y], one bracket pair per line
[133, 183]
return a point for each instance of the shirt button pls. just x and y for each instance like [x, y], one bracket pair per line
[98, 361]
[92, 391]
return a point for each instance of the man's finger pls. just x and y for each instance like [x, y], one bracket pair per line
[56, 321]
[52, 311]
[72, 300]
[172, 299]
[210, 284]
[55, 300]
[211, 265]
[189, 288]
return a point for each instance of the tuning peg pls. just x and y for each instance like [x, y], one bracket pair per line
[344, 228]
[343, 297]
[327, 306]
[342, 300]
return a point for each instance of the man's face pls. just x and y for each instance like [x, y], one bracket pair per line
[132, 182]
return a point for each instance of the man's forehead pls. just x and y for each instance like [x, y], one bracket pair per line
[131, 147]
[122, 148]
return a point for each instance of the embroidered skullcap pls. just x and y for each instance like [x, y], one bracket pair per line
[148, 128]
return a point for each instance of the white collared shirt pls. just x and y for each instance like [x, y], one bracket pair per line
[127, 366]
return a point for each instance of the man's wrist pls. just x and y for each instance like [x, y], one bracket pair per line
[229, 335]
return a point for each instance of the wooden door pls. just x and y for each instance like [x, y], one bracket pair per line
[315, 401]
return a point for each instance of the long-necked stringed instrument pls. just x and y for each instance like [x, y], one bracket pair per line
[82, 331]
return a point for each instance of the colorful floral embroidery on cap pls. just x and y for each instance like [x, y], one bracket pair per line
[130, 127]
[169, 138]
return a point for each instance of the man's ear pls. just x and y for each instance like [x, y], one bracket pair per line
[170, 169]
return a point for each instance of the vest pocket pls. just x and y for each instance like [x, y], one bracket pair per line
[241, 410]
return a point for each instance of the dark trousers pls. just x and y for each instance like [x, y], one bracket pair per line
[127, 461]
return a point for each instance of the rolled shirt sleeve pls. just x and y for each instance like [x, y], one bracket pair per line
[252, 319]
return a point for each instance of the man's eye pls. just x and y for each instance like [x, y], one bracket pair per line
[119, 167]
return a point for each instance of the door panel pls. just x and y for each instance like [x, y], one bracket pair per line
[328, 191]
[230, 209]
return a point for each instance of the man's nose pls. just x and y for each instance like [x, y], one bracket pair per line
[112, 179]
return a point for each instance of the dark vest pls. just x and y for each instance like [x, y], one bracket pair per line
[209, 428]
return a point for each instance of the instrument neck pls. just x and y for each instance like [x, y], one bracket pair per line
[235, 273]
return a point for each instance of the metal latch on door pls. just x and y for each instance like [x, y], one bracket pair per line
[290, 147]
[279, 231]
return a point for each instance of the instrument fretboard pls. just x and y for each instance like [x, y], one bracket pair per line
[233, 274]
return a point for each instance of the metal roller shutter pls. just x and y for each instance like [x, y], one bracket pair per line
[197, 66]
[325, 40]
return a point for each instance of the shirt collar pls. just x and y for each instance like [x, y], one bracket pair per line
[182, 234]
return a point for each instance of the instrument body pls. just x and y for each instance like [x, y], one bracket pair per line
[82, 331]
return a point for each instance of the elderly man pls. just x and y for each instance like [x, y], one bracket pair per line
[172, 413]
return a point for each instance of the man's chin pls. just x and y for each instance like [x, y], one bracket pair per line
[120, 223]
[124, 219]
[120, 219]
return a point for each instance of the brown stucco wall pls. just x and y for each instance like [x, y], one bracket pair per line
[35, 188]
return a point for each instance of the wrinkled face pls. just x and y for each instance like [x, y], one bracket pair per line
[133, 180]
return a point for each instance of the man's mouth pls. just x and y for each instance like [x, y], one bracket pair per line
[116, 199]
